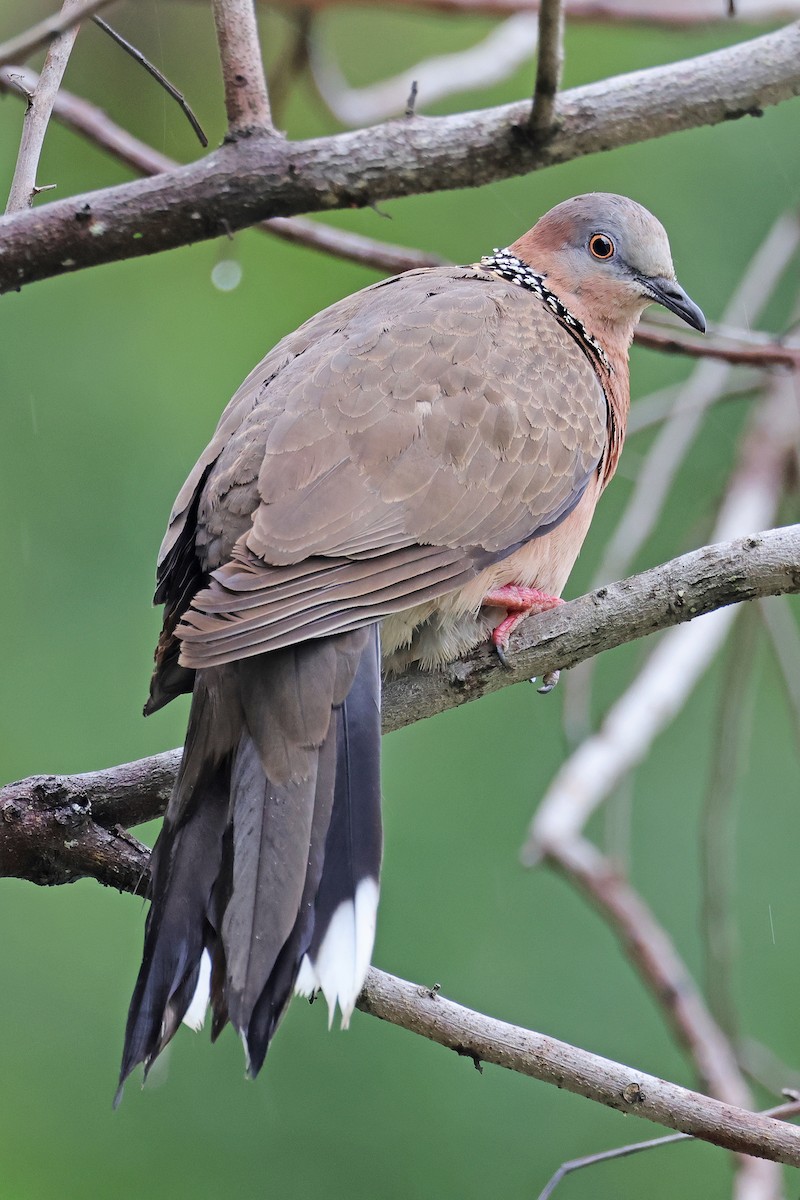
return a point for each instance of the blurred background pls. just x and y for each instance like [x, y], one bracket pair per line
[111, 382]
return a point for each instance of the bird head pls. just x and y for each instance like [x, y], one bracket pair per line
[606, 257]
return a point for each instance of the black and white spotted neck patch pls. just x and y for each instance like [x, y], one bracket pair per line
[508, 266]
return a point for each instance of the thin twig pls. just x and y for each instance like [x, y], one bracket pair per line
[21, 47]
[37, 114]
[92, 123]
[246, 98]
[771, 353]
[782, 1112]
[159, 77]
[549, 65]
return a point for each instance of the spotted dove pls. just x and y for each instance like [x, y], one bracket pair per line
[402, 477]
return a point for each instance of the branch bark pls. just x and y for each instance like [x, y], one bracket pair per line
[37, 114]
[264, 176]
[246, 99]
[88, 806]
[484, 1039]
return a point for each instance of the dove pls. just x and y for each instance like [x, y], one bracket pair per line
[409, 473]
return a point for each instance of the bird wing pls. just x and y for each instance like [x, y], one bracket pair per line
[385, 453]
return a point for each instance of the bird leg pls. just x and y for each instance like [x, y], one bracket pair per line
[519, 602]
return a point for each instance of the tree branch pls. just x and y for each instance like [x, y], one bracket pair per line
[246, 99]
[549, 64]
[91, 122]
[21, 47]
[484, 1039]
[260, 177]
[764, 564]
[37, 114]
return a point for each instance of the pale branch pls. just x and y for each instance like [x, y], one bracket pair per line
[37, 114]
[764, 564]
[659, 691]
[156, 74]
[655, 959]
[483, 1039]
[658, 964]
[657, 407]
[263, 176]
[781, 1111]
[549, 65]
[488, 62]
[717, 832]
[92, 123]
[21, 47]
[246, 98]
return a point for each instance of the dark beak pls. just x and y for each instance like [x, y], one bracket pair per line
[670, 293]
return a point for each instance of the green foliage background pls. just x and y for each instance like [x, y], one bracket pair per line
[111, 382]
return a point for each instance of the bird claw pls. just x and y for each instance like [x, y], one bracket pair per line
[549, 681]
[500, 651]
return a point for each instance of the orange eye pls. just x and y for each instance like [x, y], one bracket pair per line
[601, 246]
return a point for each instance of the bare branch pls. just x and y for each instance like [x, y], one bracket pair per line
[717, 825]
[747, 353]
[488, 62]
[678, 661]
[37, 114]
[246, 99]
[758, 565]
[159, 77]
[659, 965]
[91, 122]
[549, 64]
[241, 184]
[781, 1111]
[784, 635]
[20, 48]
[485, 1040]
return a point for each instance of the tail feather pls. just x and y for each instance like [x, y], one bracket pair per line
[346, 904]
[272, 832]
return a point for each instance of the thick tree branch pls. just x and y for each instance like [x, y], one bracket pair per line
[91, 122]
[486, 1040]
[258, 177]
[764, 564]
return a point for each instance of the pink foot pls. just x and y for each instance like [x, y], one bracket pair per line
[519, 602]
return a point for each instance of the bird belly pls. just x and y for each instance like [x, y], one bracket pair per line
[444, 629]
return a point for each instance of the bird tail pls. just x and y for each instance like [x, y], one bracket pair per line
[267, 868]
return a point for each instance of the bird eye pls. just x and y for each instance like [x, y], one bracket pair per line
[601, 246]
